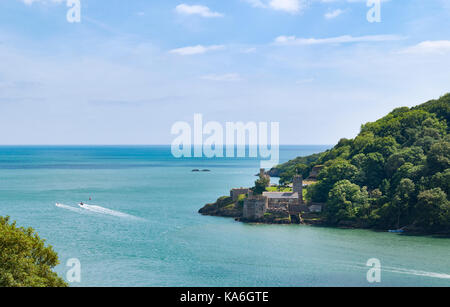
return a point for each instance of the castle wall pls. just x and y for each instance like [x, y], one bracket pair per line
[255, 207]
[298, 208]
[281, 203]
[234, 193]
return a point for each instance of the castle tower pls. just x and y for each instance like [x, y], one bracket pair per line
[262, 173]
[298, 187]
[255, 207]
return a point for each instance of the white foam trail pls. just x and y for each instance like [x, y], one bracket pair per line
[403, 271]
[417, 273]
[73, 209]
[102, 210]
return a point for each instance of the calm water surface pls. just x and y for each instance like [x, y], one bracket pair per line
[142, 226]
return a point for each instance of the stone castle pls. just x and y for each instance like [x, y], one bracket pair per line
[288, 203]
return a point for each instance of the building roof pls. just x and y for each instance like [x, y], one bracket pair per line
[281, 195]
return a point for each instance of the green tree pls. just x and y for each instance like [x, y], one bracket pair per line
[373, 168]
[438, 158]
[440, 107]
[432, 209]
[404, 198]
[260, 185]
[412, 155]
[404, 155]
[386, 146]
[441, 180]
[25, 261]
[335, 171]
[408, 170]
[345, 201]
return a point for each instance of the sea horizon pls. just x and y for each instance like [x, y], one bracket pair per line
[86, 145]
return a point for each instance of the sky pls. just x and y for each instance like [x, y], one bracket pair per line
[131, 69]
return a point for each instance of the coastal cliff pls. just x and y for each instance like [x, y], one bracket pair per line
[224, 206]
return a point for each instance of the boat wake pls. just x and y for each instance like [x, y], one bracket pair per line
[416, 273]
[70, 208]
[106, 211]
[98, 210]
[403, 271]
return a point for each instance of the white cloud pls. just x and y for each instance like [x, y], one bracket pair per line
[30, 2]
[201, 10]
[292, 40]
[199, 49]
[233, 77]
[257, 3]
[435, 47]
[333, 14]
[350, 1]
[296, 6]
[290, 6]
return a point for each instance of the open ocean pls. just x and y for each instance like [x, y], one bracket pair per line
[142, 227]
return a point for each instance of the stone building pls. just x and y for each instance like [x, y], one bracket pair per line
[235, 193]
[294, 197]
[255, 206]
[281, 200]
[297, 187]
[290, 202]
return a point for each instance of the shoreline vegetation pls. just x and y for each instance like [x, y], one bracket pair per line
[395, 175]
[25, 259]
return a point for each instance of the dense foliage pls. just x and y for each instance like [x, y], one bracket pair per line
[395, 173]
[299, 165]
[260, 185]
[25, 261]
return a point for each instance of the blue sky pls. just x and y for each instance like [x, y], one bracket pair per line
[131, 69]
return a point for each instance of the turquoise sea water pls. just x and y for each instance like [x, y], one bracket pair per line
[143, 229]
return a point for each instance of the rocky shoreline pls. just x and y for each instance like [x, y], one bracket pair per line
[226, 207]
